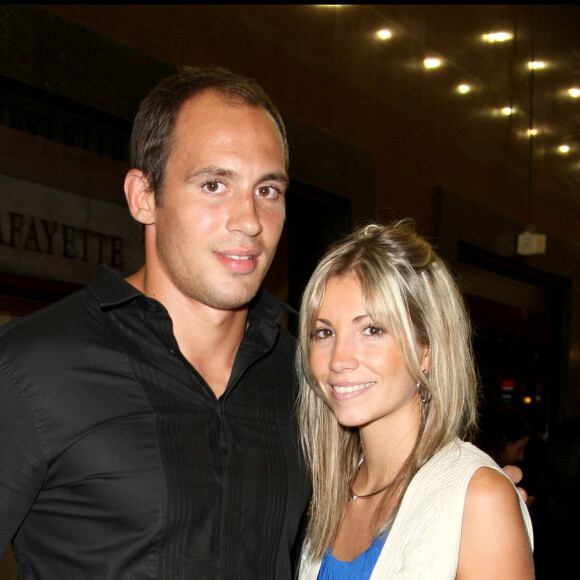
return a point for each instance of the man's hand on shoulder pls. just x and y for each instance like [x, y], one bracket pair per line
[516, 475]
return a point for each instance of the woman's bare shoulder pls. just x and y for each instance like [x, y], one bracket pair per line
[493, 530]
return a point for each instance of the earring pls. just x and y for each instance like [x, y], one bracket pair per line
[422, 390]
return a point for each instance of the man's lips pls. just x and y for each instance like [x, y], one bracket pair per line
[239, 261]
[235, 257]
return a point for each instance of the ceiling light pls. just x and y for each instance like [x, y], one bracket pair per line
[384, 34]
[563, 149]
[574, 92]
[507, 111]
[532, 132]
[497, 37]
[536, 64]
[432, 62]
[463, 89]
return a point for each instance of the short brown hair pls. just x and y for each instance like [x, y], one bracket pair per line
[152, 136]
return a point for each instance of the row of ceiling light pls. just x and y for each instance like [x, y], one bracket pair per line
[493, 37]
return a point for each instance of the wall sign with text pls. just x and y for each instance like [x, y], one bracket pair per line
[57, 235]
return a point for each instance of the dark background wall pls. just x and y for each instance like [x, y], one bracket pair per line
[373, 136]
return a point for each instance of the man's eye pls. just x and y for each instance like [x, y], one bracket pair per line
[267, 192]
[213, 186]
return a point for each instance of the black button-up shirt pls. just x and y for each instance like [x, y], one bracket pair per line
[118, 462]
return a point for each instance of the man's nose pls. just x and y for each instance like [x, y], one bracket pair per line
[243, 215]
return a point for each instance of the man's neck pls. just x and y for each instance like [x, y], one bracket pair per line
[207, 337]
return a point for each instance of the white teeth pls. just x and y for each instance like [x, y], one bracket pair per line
[234, 257]
[352, 388]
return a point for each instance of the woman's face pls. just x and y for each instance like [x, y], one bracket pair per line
[358, 364]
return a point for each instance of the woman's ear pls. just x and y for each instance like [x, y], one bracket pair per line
[425, 359]
[140, 197]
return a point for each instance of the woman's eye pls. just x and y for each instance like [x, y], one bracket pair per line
[373, 330]
[213, 186]
[321, 333]
[267, 192]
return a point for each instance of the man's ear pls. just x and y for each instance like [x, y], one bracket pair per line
[140, 197]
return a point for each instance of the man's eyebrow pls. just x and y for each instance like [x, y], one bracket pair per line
[276, 176]
[214, 171]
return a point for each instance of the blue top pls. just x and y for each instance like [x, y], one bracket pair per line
[360, 568]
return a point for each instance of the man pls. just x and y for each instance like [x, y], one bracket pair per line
[147, 423]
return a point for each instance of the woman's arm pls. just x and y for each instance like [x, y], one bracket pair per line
[494, 542]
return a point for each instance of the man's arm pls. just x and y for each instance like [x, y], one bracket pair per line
[22, 464]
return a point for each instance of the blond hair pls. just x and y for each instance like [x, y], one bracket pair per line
[408, 289]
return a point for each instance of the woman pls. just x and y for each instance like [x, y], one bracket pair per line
[388, 391]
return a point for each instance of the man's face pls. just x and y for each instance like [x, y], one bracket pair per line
[223, 203]
[513, 452]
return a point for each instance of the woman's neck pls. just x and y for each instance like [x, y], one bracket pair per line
[386, 448]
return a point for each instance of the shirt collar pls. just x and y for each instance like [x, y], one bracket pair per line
[266, 306]
[111, 290]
